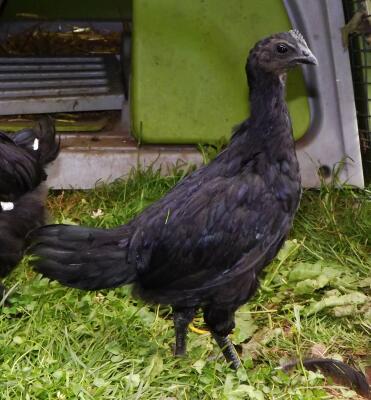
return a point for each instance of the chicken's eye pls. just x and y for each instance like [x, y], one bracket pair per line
[282, 48]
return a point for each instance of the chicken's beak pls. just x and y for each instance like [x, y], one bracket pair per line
[309, 60]
[306, 57]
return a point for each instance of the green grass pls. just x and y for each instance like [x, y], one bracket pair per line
[59, 343]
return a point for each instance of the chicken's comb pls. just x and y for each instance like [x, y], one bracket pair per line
[297, 35]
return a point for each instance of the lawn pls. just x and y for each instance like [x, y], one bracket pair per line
[59, 343]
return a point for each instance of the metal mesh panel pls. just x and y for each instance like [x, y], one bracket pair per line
[360, 58]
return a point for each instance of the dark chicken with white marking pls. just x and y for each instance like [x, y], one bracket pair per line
[204, 244]
[23, 156]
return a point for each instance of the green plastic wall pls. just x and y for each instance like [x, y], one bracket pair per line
[188, 74]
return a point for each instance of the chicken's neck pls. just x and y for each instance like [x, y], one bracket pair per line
[267, 101]
[268, 128]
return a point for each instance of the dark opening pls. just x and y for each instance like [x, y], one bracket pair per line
[324, 171]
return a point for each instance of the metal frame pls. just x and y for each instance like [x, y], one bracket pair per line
[360, 60]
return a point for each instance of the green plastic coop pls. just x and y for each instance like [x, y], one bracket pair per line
[188, 81]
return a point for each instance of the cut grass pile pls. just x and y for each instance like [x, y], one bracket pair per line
[59, 343]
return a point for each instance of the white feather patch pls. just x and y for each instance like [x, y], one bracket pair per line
[36, 144]
[7, 205]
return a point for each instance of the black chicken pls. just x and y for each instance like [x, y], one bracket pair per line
[23, 156]
[204, 243]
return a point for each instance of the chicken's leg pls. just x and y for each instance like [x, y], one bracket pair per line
[182, 317]
[228, 350]
[221, 324]
[2, 291]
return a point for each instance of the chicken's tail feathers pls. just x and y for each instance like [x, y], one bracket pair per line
[340, 372]
[40, 140]
[81, 257]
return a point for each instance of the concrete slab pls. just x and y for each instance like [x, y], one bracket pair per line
[85, 162]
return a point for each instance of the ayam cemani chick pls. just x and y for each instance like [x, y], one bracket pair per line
[23, 156]
[204, 244]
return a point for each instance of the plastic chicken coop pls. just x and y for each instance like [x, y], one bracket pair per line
[143, 82]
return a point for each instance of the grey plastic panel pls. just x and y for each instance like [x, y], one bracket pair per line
[333, 135]
[59, 84]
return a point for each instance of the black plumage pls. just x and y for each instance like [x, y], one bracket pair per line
[20, 170]
[204, 243]
[23, 156]
[340, 372]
